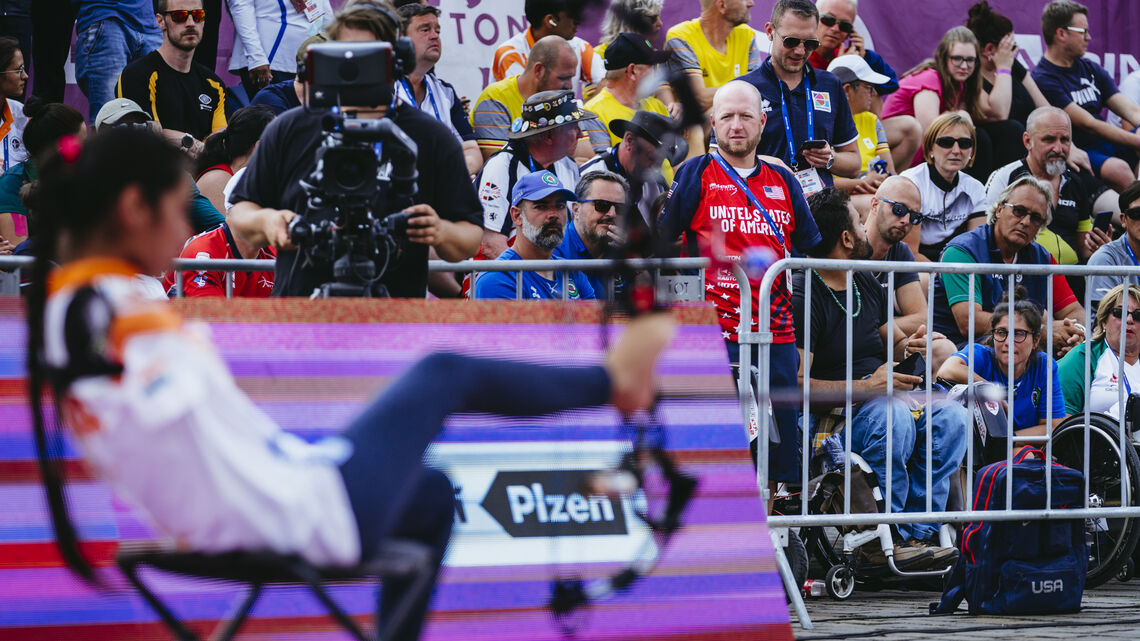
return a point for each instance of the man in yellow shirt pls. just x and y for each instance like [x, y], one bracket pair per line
[629, 61]
[714, 48]
[551, 66]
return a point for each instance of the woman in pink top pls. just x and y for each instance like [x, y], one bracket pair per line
[952, 81]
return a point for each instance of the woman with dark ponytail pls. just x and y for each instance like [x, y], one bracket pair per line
[227, 151]
[47, 123]
[157, 415]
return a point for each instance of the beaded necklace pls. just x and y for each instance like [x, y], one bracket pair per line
[858, 296]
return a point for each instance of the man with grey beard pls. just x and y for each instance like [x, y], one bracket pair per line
[1077, 196]
[538, 211]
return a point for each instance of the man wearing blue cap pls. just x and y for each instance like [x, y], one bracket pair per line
[538, 211]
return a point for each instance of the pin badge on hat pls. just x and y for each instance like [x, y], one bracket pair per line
[517, 125]
[549, 179]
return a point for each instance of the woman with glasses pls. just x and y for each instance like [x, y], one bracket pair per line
[952, 81]
[1035, 412]
[953, 202]
[1021, 210]
[1106, 361]
[13, 82]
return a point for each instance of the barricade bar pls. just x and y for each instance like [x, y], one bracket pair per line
[872, 518]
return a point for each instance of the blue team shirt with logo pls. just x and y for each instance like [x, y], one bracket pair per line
[1029, 402]
[490, 285]
[1085, 83]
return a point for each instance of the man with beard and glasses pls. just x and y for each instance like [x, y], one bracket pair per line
[730, 201]
[873, 354]
[1071, 237]
[597, 224]
[810, 125]
[714, 48]
[186, 98]
[538, 210]
[1122, 251]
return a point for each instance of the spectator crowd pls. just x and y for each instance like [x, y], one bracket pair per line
[807, 143]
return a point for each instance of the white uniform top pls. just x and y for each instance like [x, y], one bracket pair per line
[12, 144]
[511, 56]
[175, 437]
[270, 31]
[1104, 390]
[497, 179]
[945, 210]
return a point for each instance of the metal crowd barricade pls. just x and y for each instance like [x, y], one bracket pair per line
[1130, 506]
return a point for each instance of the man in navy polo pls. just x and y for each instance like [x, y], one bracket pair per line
[1084, 89]
[538, 210]
[785, 80]
[597, 224]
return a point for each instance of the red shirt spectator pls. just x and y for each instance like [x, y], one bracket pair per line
[220, 243]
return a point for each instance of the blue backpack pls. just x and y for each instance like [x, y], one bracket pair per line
[1020, 567]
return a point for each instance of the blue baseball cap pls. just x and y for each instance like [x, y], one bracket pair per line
[538, 185]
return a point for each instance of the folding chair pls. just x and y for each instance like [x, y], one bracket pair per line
[397, 559]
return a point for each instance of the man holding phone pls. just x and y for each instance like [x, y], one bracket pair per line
[1123, 251]
[809, 122]
[1071, 237]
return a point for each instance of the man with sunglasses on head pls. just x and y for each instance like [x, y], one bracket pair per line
[186, 98]
[1071, 237]
[809, 124]
[1021, 210]
[1123, 251]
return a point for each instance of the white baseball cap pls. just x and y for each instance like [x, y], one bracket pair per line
[111, 112]
[851, 67]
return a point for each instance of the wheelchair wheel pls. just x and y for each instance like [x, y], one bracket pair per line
[840, 582]
[1111, 541]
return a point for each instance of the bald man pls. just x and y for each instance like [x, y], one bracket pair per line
[891, 218]
[734, 200]
[552, 65]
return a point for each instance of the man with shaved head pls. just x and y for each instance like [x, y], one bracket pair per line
[730, 201]
[551, 66]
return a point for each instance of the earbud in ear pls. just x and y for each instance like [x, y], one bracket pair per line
[553, 22]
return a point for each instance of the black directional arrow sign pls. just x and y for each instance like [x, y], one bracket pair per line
[551, 503]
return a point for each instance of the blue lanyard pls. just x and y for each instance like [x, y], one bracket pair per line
[427, 88]
[739, 182]
[784, 97]
[1131, 254]
[1123, 373]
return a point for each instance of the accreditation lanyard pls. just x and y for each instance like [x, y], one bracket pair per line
[1123, 372]
[427, 88]
[1131, 254]
[739, 182]
[784, 97]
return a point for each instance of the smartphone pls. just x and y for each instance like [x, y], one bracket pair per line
[913, 365]
[812, 144]
[1103, 220]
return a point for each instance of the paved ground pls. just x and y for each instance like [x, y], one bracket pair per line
[1111, 611]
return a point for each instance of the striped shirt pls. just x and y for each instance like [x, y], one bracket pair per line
[499, 104]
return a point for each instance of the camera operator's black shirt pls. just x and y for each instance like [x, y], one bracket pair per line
[287, 154]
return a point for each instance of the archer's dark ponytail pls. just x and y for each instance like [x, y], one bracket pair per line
[75, 195]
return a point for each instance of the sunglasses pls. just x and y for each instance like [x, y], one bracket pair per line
[828, 20]
[180, 15]
[1020, 211]
[1132, 213]
[604, 206]
[810, 44]
[1001, 334]
[964, 61]
[901, 210]
[1118, 313]
[946, 142]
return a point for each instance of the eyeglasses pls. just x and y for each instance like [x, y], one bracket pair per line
[1132, 213]
[828, 20]
[810, 44]
[180, 15]
[946, 142]
[20, 70]
[963, 61]
[1081, 30]
[1001, 334]
[1118, 313]
[1020, 211]
[604, 206]
[901, 210]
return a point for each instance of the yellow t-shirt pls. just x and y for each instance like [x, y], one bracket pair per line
[872, 139]
[609, 109]
[695, 55]
[494, 111]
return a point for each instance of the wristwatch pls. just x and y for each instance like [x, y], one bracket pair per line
[188, 143]
[830, 161]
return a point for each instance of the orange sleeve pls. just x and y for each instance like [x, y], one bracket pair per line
[149, 318]
[505, 57]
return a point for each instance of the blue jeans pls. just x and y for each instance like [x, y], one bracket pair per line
[950, 422]
[101, 52]
[393, 494]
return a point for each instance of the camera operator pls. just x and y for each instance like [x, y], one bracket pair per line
[447, 215]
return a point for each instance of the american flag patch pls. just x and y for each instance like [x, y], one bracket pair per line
[775, 193]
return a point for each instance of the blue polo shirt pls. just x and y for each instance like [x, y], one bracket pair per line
[1030, 406]
[1085, 83]
[831, 113]
[574, 248]
[490, 285]
[279, 96]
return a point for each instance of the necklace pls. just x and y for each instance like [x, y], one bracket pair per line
[858, 296]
